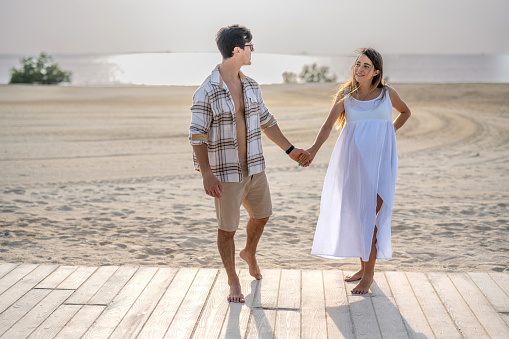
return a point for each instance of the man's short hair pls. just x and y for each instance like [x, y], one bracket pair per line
[227, 38]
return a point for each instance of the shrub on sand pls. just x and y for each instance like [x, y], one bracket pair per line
[41, 70]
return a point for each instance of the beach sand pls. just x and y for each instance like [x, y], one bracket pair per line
[104, 176]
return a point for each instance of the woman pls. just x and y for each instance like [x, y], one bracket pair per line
[358, 191]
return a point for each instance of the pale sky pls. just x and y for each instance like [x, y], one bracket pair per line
[316, 27]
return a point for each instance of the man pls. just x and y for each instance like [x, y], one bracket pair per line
[228, 115]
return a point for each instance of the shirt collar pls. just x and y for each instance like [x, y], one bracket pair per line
[218, 80]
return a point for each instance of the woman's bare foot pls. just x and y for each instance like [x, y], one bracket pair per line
[254, 270]
[235, 295]
[363, 285]
[356, 276]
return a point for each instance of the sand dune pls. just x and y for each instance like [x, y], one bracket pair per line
[97, 176]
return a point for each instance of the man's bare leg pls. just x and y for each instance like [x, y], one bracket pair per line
[369, 266]
[226, 246]
[248, 254]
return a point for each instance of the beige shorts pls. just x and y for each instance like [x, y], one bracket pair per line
[253, 193]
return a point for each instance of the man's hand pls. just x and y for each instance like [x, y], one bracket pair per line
[306, 159]
[296, 153]
[212, 185]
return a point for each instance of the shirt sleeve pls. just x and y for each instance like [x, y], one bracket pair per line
[266, 118]
[201, 118]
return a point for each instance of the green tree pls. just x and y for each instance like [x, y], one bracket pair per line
[41, 70]
[314, 73]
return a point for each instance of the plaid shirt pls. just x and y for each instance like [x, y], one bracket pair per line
[213, 123]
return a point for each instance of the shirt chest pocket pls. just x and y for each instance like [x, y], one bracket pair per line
[252, 105]
[253, 112]
[221, 107]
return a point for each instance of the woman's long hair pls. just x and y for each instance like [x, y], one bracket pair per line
[352, 85]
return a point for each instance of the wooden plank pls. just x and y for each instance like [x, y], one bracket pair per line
[268, 290]
[289, 292]
[55, 322]
[339, 320]
[14, 276]
[288, 312]
[55, 278]
[363, 315]
[6, 268]
[263, 323]
[81, 322]
[493, 293]
[90, 287]
[134, 320]
[263, 318]
[239, 314]
[214, 313]
[502, 280]
[483, 310]
[21, 307]
[387, 313]
[77, 278]
[189, 311]
[24, 285]
[37, 315]
[162, 316]
[113, 314]
[314, 323]
[112, 286]
[287, 324]
[414, 318]
[362, 312]
[460, 313]
[438, 317]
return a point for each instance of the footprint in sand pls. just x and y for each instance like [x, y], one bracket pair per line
[15, 191]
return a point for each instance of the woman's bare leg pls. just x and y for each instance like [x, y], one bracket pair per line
[369, 266]
[357, 275]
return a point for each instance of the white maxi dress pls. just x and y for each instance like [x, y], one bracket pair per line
[364, 163]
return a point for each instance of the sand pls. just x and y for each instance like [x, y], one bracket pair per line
[104, 176]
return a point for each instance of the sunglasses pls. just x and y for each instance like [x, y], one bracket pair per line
[251, 47]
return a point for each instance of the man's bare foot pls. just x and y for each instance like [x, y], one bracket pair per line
[356, 276]
[363, 286]
[236, 295]
[254, 270]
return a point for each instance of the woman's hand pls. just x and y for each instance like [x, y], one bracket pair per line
[306, 160]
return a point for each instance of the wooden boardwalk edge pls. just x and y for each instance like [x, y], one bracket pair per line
[51, 301]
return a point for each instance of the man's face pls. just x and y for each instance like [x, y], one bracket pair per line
[246, 53]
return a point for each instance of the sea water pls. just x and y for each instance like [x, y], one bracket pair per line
[190, 69]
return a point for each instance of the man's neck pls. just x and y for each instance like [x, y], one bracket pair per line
[229, 70]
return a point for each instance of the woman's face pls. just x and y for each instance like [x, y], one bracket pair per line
[364, 70]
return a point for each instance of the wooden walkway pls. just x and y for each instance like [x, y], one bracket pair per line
[50, 301]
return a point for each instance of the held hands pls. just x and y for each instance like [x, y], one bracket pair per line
[305, 159]
[296, 153]
[212, 185]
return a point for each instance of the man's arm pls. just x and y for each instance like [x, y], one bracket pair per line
[211, 184]
[200, 123]
[277, 137]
